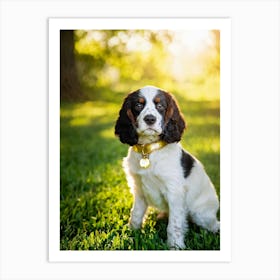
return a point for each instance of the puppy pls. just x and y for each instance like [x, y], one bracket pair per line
[159, 171]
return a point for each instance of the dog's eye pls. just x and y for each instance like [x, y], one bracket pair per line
[159, 107]
[139, 106]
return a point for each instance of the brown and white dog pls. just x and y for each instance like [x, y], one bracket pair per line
[159, 171]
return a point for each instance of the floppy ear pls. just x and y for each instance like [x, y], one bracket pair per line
[124, 127]
[174, 123]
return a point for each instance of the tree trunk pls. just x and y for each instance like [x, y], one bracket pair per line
[70, 89]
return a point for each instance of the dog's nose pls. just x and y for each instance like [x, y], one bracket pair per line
[150, 119]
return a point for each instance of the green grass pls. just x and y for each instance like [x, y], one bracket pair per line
[95, 200]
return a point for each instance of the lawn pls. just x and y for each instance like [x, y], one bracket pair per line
[95, 200]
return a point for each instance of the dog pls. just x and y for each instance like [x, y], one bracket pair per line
[158, 170]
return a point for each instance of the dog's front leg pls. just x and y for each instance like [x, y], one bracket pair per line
[137, 212]
[177, 223]
[139, 204]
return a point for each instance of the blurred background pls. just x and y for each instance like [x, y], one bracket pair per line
[100, 64]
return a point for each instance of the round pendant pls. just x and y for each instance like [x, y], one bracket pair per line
[144, 162]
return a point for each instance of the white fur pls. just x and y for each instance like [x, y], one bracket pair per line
[148, 133]
[163, 186]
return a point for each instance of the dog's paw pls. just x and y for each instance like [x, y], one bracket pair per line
[176, 244]
[133, 225]
[215, 227]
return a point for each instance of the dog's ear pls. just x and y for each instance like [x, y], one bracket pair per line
[174, 123]
[125, 125]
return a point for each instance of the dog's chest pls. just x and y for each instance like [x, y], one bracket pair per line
[160, 178]
[155, 179]
[154, 191]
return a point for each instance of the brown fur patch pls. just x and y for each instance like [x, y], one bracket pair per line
[170, 107]
[130, 115]
[157, 99]
[141, 100]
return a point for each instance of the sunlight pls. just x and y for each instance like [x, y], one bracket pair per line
[186, 61]
[138, 43]
[186, 50]
[84, 114]
[108, 133]
[193, 41]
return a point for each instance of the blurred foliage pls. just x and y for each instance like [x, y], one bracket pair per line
[119, 61]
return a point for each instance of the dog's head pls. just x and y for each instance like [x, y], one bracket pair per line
[148, 115]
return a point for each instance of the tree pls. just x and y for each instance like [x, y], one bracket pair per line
[70, 88]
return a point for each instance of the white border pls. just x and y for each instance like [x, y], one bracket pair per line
[24, 139]
[222, 24]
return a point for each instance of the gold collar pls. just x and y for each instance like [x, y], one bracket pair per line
[146, 149]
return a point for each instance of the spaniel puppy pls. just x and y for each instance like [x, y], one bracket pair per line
[159, 171]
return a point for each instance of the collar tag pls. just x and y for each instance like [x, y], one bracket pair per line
[144, 162]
